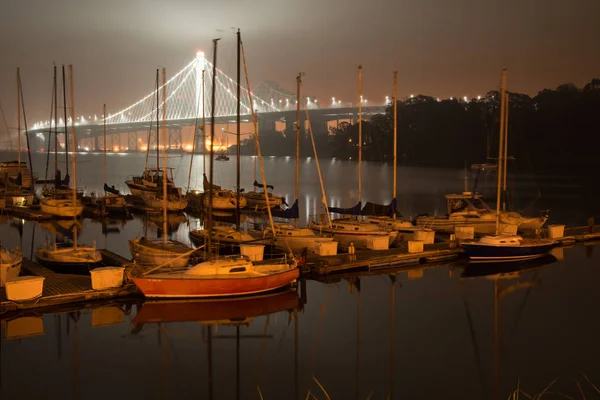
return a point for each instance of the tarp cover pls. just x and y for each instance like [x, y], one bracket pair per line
[379, 209]
[349, 211]
[290, 212]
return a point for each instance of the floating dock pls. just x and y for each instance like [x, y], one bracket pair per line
[65, 288]
[379, 259]
[29, 213]
[61, 290]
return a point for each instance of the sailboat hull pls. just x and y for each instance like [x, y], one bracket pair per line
[190, 287]
[61, 208]
[172, 205]
[70, 261]
[153, 254]
[482, 252]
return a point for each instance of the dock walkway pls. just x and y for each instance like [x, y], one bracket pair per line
[62, 289]
[380, 259]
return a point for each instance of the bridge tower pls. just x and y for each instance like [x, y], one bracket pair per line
[132, 141]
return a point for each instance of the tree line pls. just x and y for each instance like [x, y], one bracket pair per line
[552, 132]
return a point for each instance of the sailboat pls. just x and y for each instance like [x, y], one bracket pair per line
[157, 252]
[10, 264]
[15, 176]
[172, 200]
[468, 209]
[149, 184]
[289, 237]
[112, 202]
[348, 230]
[404, 228]
[230, 276]
[67, 258]
[58, 202]
[505, 247]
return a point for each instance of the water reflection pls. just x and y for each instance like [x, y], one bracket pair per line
[414, 332]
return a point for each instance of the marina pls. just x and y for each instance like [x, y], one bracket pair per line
[314, 201]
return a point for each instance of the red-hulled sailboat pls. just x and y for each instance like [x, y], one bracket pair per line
[230, 276]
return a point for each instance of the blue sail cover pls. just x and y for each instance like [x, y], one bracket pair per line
[290, 212]
[379, 209]
[348, 211]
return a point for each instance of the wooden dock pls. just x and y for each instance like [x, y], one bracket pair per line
[380, 259]
[63, 288]
[29, 213]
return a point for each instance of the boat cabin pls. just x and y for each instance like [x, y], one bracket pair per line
[467, 202]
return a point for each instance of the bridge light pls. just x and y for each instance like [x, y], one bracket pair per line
[451, 98]
[315, 100]
[478, 97]
[412, 96]
[465, 99]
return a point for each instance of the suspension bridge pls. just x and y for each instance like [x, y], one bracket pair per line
[187, 99]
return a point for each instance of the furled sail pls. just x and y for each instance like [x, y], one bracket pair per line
[379, 209]
[290, 212]
[349, 211]
[261, 185]
[111, 190]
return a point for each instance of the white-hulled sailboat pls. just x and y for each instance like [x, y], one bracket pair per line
[505, 247]
[233, 276]
[75, 258]
[294, 238]
[405, 229]
[59, 202]
[347, 230]
[112, 202]
[15, 176]
[171, 200]
[161, 251]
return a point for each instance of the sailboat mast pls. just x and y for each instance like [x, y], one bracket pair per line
[395, 135]
[66, 131]
[203, 129]
[360, 100]
[257, 144]
[104, 132]
[505, 151]
[164, 134]
[19, 116]
[55, 123]
[500, 150]
[239, 94]
[212, 139]
[298, 82]
[157, 129]
[74, 146]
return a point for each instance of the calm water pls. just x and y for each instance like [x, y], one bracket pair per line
[430, 334]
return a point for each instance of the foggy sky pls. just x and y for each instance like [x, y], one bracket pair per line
[440, 48]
